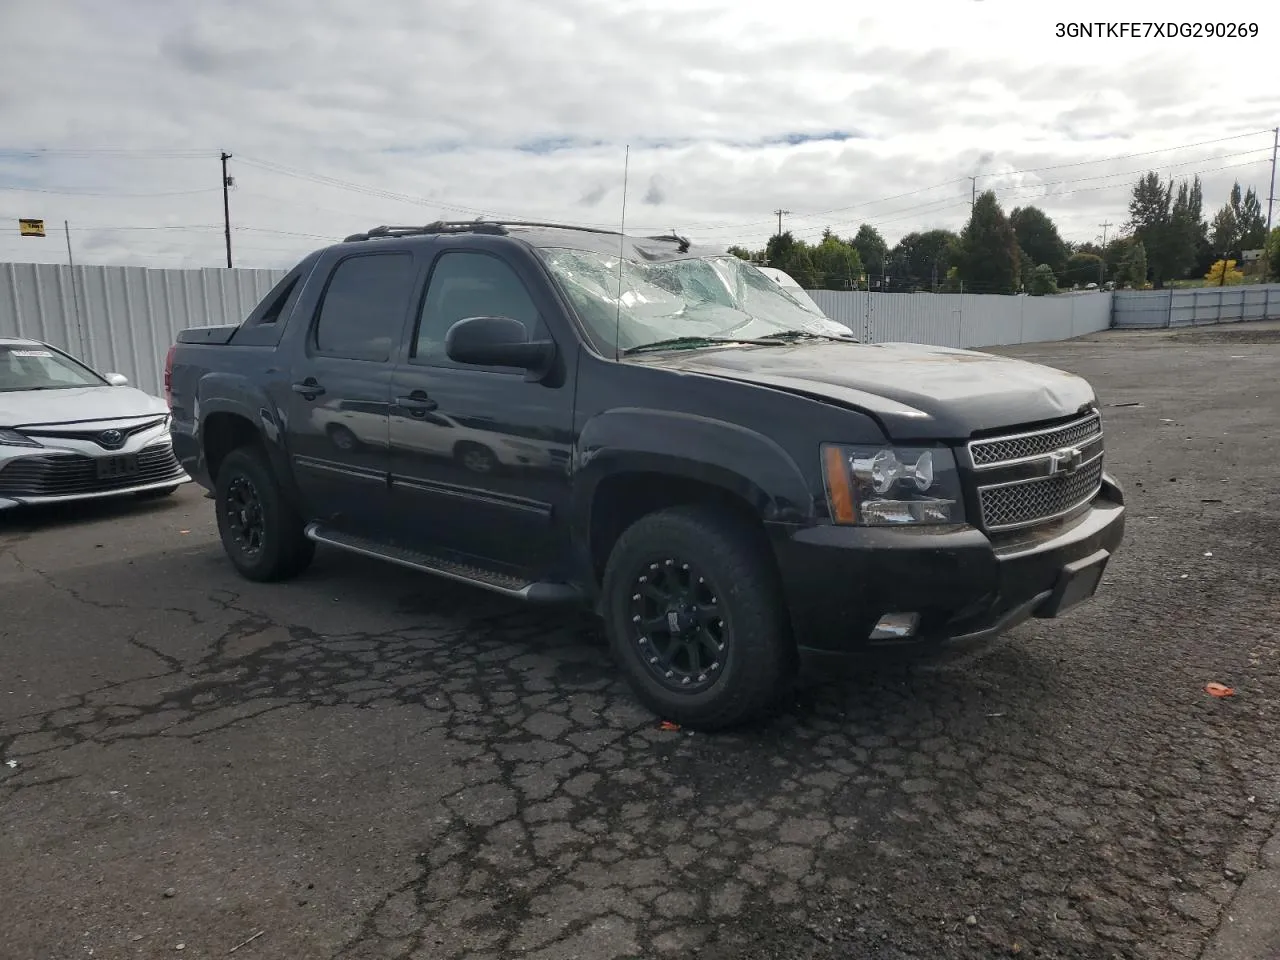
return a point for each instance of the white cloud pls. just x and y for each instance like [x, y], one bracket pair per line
[507, 107]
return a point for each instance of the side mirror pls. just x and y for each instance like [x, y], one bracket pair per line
[497, 342]
[117, 379]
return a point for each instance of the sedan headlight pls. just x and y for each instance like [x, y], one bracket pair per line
[888, 486]
[12, 438]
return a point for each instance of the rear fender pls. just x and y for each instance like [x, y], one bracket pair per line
[236, 394]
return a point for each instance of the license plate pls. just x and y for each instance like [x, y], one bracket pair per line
[112, 468]
[1079, 582]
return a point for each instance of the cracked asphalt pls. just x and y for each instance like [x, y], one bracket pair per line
[366, 763]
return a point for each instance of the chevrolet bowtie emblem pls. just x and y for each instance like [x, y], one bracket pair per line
[1066, 461]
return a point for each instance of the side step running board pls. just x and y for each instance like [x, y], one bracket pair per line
[532, 591]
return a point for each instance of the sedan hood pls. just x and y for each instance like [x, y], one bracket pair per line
[917, 392]
[25, 408]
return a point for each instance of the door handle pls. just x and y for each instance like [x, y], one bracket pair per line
[416, 402]
[308, 388]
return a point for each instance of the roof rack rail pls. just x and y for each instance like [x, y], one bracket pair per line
[498, 227]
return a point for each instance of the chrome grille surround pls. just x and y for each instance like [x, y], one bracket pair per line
[1037, 476]
[1017, 447]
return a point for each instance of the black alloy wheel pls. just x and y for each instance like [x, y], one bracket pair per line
[695, 615]
[261, 530]
[243, 509]
[678, 625]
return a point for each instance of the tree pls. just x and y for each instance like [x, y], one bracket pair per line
[1224, 232]
[779, 250]
[742, 253]
[1186, 229]
[836, 263]
[1169, 229]
[1273, 256]
[1133, 268]
[1083, 269]
[872, 249]
[1038, 237]
[1043, 281]
[1116, 250]
[1223, 273]
[1252, 225]
[918, 258]
[989, 249]
[800, 266]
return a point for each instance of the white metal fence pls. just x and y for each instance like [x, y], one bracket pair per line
[1196, 306]
[123, 319]
[965, 319]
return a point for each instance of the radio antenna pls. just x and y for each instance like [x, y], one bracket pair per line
[622, 249]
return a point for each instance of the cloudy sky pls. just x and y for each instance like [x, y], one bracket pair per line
[342, 115]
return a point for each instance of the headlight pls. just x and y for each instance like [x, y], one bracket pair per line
[880, 486]
[12, 438]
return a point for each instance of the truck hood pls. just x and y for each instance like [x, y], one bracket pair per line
[21, 408]
[917, 392]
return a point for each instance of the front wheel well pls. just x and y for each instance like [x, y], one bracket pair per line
[622, 499]
[224, 432]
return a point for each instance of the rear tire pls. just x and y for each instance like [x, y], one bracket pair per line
[720, 652]
[261, 531]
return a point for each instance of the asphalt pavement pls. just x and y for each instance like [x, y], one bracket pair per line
[367, 763]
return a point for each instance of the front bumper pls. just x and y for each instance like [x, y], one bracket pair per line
[839, 581]
[46, 475]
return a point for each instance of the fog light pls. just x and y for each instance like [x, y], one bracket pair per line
[895, 626]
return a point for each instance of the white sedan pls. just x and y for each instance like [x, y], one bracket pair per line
[70, 433]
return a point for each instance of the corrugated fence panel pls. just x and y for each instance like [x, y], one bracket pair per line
[1196, 306]
[965, 320]
[123, 319]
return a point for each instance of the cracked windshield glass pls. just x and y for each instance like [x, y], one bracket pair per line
[718, 298]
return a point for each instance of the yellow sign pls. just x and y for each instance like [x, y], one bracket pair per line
[31, 228]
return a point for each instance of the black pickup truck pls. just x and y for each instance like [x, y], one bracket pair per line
[658, 432]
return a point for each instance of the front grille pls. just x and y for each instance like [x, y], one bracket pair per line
[95, 435]
[73, 474]
[1024, 478]
[1027, 502]
[1021, 446]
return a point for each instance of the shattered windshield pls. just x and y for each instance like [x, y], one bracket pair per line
[717, 298]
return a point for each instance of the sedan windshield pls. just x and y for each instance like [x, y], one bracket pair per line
[690, 300]
[39, 368]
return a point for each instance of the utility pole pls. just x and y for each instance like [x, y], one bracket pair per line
[75, 293]
[226, 205]
[973, 192]
[780, 213]
[1271, 198]
[1104, 224]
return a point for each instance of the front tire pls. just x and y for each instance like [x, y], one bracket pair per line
[696, 619]
[261, 531]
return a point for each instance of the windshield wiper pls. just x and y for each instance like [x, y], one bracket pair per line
[785, 335]
[680, 342]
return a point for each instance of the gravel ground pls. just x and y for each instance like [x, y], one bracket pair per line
[371, 764]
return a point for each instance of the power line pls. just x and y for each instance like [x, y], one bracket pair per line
[1033, 192]
[63, 191]
[1007, 173]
